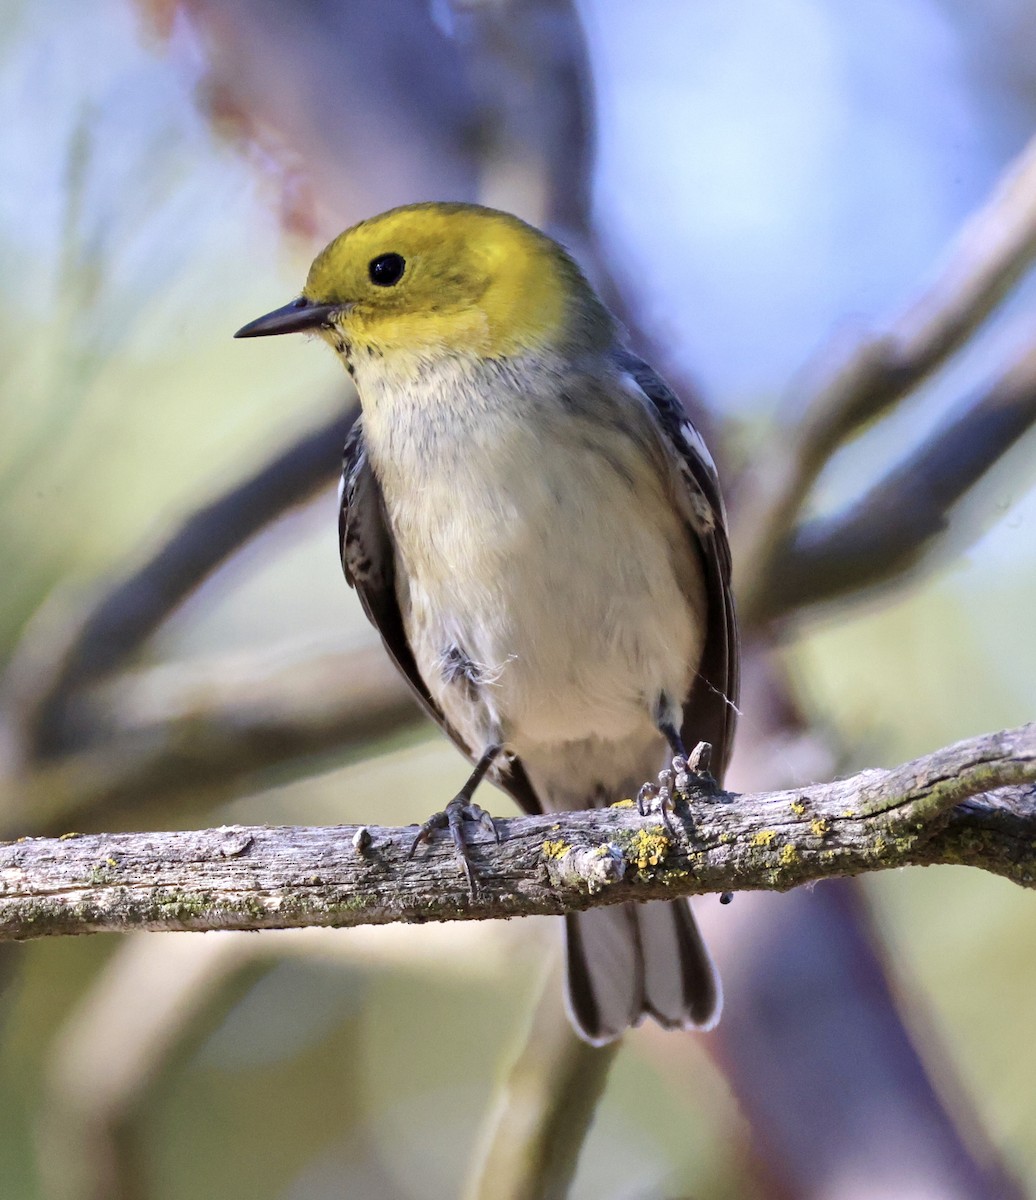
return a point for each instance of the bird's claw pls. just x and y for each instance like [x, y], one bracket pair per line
[675, 783]
[658, 798]
[452, 817]
[646, 798]
[692, 772]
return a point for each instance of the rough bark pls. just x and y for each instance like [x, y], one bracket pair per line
[970, 803]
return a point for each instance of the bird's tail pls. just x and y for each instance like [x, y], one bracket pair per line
[628, 961]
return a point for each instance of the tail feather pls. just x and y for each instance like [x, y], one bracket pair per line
[629, 961]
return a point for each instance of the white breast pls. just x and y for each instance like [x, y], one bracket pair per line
[544, 546]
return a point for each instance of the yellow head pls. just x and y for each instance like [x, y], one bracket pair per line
[431, 279]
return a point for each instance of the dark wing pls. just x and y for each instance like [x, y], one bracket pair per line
[710, 711]
[370, 567]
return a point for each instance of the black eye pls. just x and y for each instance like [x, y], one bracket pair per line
[386, 269]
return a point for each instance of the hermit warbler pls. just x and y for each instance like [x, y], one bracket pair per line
[536, 531]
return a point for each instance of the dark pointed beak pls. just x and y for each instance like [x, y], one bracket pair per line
[296, 317]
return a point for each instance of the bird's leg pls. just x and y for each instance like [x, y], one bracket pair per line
[672, 735]
[686, 770]
[659, 796]
[460, 809]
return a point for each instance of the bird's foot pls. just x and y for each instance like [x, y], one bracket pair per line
[692, 773]
[675, 784]
[657, 798]
[460, 809]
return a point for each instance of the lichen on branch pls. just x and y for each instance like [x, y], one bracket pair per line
[970, 803]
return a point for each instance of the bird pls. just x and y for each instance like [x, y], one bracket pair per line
[536, 530]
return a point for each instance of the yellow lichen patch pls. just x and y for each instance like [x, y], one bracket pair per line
[621, 804]
[798, 808]
[788, 855]
[557, 849]
[66, 836]
[820, 826]
[764, 838]
[880, 845]
[649, 846]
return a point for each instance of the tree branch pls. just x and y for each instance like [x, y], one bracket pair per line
[891, 528]
[132, 608]
[184, 734]
[544, 1106]
[275, 878]
[987, 258]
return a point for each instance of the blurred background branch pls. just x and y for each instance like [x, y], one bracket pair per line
[108, 632]
[105, 1070]
[888, 531]
[987, 258]
[187, 734]
[544, 1106]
